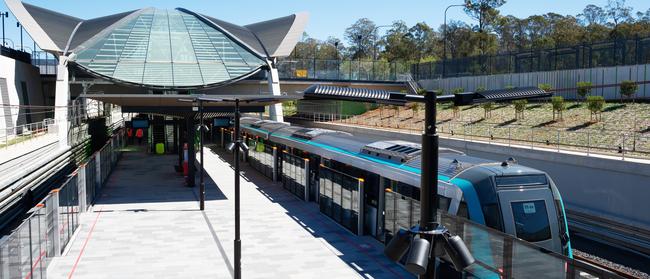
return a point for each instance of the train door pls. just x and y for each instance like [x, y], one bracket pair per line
[313, 181]
[530, 214]
[371, 203]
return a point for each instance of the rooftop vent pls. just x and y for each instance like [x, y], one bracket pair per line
[396, 151]
[309, 134]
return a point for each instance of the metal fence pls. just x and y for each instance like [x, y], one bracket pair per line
[27, 250]
[25, 132]
[352, 70]
[602, 54]
[620, 144]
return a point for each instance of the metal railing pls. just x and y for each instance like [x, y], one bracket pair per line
[28, 250]
[623, 144]
[25, 132]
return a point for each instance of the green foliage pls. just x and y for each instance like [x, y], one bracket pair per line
[487, 109]
[628, 88]
[421, 91]
[545, 86]
[509, 86]
[595, 105]
[480, 88]
[457, 90]
[558, 105]
[584, 88]
[520, 107]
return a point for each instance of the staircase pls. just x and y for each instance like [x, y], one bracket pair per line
[158, 131]
[412, 85]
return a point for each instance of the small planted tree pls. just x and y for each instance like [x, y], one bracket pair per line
[595, 104]
[520, 107]
[628, 88]
[558, 107]
[545, 86]
[487, 109]
[415, 108]
[458, 90]
[480, 88]
[584, 88]
[454, 107]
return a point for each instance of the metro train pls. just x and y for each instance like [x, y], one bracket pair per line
[372, 187]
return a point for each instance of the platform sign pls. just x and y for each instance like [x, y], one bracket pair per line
[140, 123]
[222, 122]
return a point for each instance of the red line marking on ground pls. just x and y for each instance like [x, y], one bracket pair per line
[29, 275]
[74, 267]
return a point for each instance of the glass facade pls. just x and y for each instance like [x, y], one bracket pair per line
[167, 48]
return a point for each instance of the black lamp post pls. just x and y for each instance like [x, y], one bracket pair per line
[21, 35]
[338, 62]
[3, 16]
[444, 39]
[420, 260]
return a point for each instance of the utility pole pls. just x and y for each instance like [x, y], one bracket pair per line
[237, 178]
[429, 176]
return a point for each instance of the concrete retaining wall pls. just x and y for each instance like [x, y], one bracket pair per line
[611, 188]
[557, 79]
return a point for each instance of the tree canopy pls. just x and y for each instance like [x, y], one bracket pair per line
[489, 33]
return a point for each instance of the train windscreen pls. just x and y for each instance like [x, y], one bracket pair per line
[531, 220]
[521, 180]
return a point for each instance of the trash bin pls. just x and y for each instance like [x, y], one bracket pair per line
[160, 148]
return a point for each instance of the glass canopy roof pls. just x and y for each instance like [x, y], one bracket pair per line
[167, 48]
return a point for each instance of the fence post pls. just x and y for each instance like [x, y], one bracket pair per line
[98, 171]
[275, 164]
[306, 176]
[588, 142]
[81, 182]
[54, 200]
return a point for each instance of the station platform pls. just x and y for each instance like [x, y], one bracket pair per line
[146, 224]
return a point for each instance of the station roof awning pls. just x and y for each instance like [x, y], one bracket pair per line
[172, 104]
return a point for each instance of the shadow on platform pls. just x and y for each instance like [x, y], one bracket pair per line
[363, 254]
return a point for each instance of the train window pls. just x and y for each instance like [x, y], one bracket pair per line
[443, 203]
[492, 216]
[462, 210]
[531, 220]
[521, 180]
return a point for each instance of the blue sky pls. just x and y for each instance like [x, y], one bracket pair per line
[327, 17]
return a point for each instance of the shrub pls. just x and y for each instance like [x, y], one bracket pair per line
[421, 91]
[584, 88]
[595, 104]
[558, 106]
[520, 107]
[545, 86]
[457, 90]
[487, 109]
[480, 88]
[628, 88]
[415, 108]
[509, 86]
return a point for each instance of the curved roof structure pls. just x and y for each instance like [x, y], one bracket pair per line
[161, 48]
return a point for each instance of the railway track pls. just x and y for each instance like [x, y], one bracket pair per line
[620, 271]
